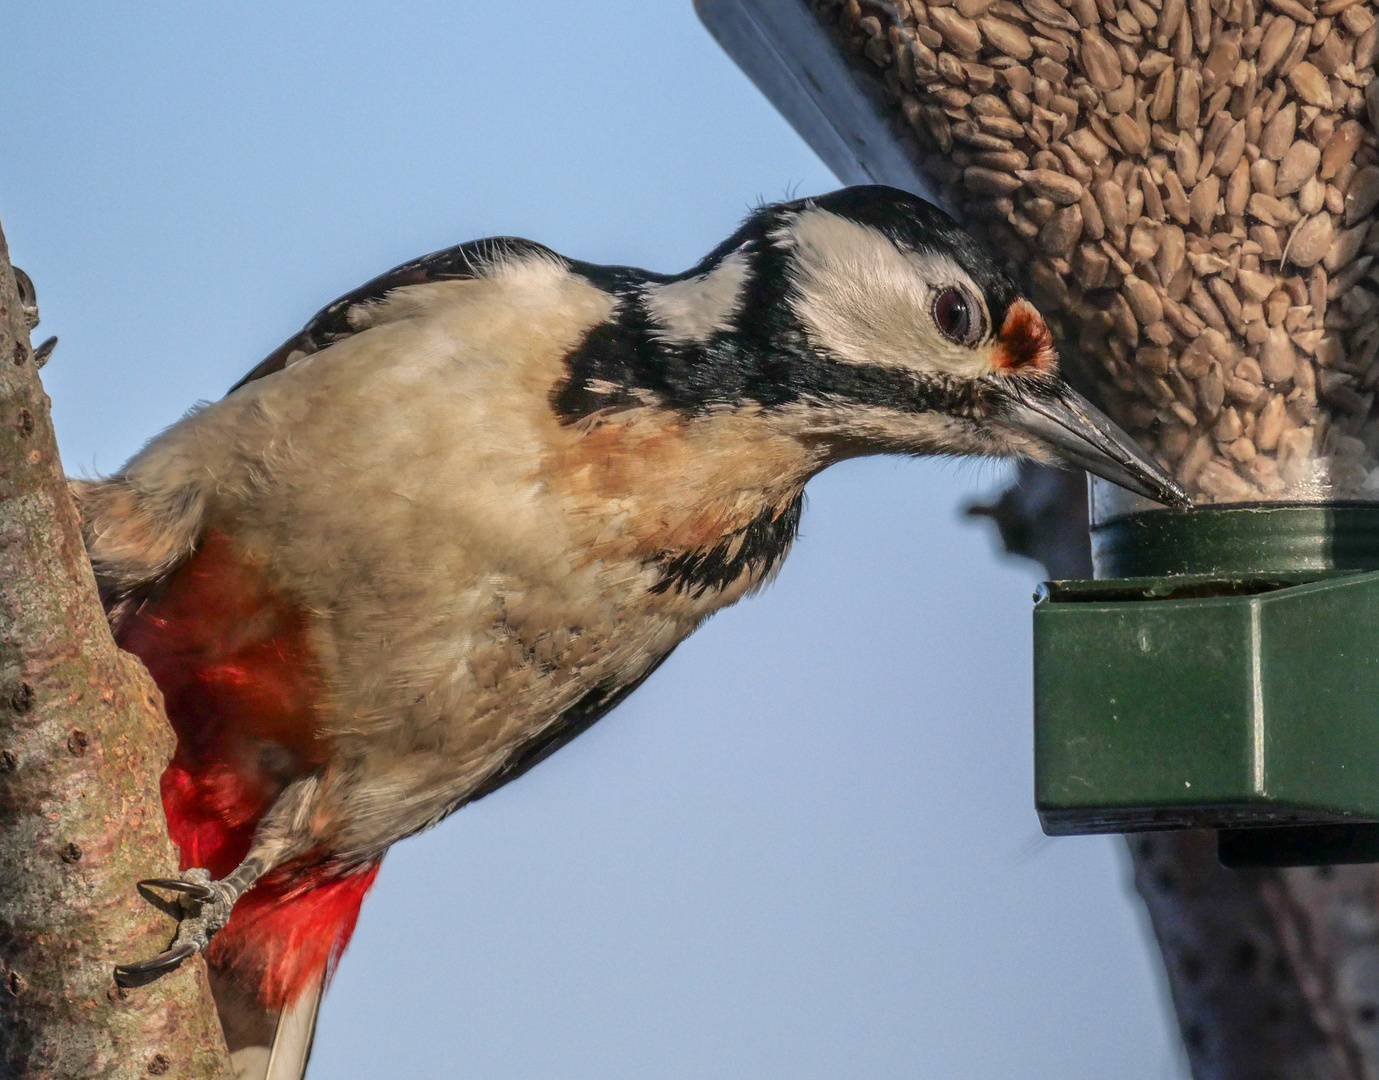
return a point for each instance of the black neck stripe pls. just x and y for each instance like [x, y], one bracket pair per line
[759, 547]
[878, 386]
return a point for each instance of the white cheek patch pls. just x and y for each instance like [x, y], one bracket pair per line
[863, 300]
[696, 308]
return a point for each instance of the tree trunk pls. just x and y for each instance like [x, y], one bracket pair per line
[83, 740]
[1274, 973]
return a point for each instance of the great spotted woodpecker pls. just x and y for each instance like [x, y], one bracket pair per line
[476, 502]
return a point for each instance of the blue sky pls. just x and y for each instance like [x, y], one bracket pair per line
[806, 848]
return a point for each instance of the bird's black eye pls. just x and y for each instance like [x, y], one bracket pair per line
[956, 316]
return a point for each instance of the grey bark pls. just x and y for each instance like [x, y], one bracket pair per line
[83, 741]
[1274, 974]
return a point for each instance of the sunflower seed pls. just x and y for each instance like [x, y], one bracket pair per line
[1271, 211]
[1202, 202]
[1362, 195]
[971, 9]
[1052, 185]
[982, 181]
[1186, 187]
[960, 33]
[1277, 38]
[1006, 37]
[1061, 234]
[1100, 61]
[1310, 85]
[1299, 164]
[1340, 148]
[1238, 189]
[1345, 247]
[1231, 150]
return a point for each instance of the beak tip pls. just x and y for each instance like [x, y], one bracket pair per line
[1148, 478]
[1143, 480]
[1156, 483]
[1172, 495]
[1075, 430]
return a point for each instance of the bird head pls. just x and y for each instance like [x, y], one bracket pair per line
[879, 324]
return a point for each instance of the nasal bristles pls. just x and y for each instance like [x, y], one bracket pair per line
[1025, 340]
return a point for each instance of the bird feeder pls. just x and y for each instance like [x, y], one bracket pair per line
[1186, 188]
[1220, 672]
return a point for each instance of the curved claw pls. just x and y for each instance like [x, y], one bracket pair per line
[201, 907]
[131, 975]
[192, 889]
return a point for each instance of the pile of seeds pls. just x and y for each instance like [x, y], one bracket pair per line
[1186, 188]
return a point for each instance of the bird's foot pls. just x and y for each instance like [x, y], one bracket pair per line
[206, 907]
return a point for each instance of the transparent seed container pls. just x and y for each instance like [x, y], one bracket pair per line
[1187, 189]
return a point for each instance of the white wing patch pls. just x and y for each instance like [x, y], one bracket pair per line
[865, 301]
[693, 309]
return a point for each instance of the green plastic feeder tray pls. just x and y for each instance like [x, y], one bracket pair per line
[1222, 672]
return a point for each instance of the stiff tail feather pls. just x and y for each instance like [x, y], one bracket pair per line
[267, 1044]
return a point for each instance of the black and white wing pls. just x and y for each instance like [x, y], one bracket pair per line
[334, 322]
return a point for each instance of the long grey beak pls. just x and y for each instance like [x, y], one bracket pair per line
[1082, 435]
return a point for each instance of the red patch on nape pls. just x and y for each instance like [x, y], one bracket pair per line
[240, 684]
[1025, 340]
